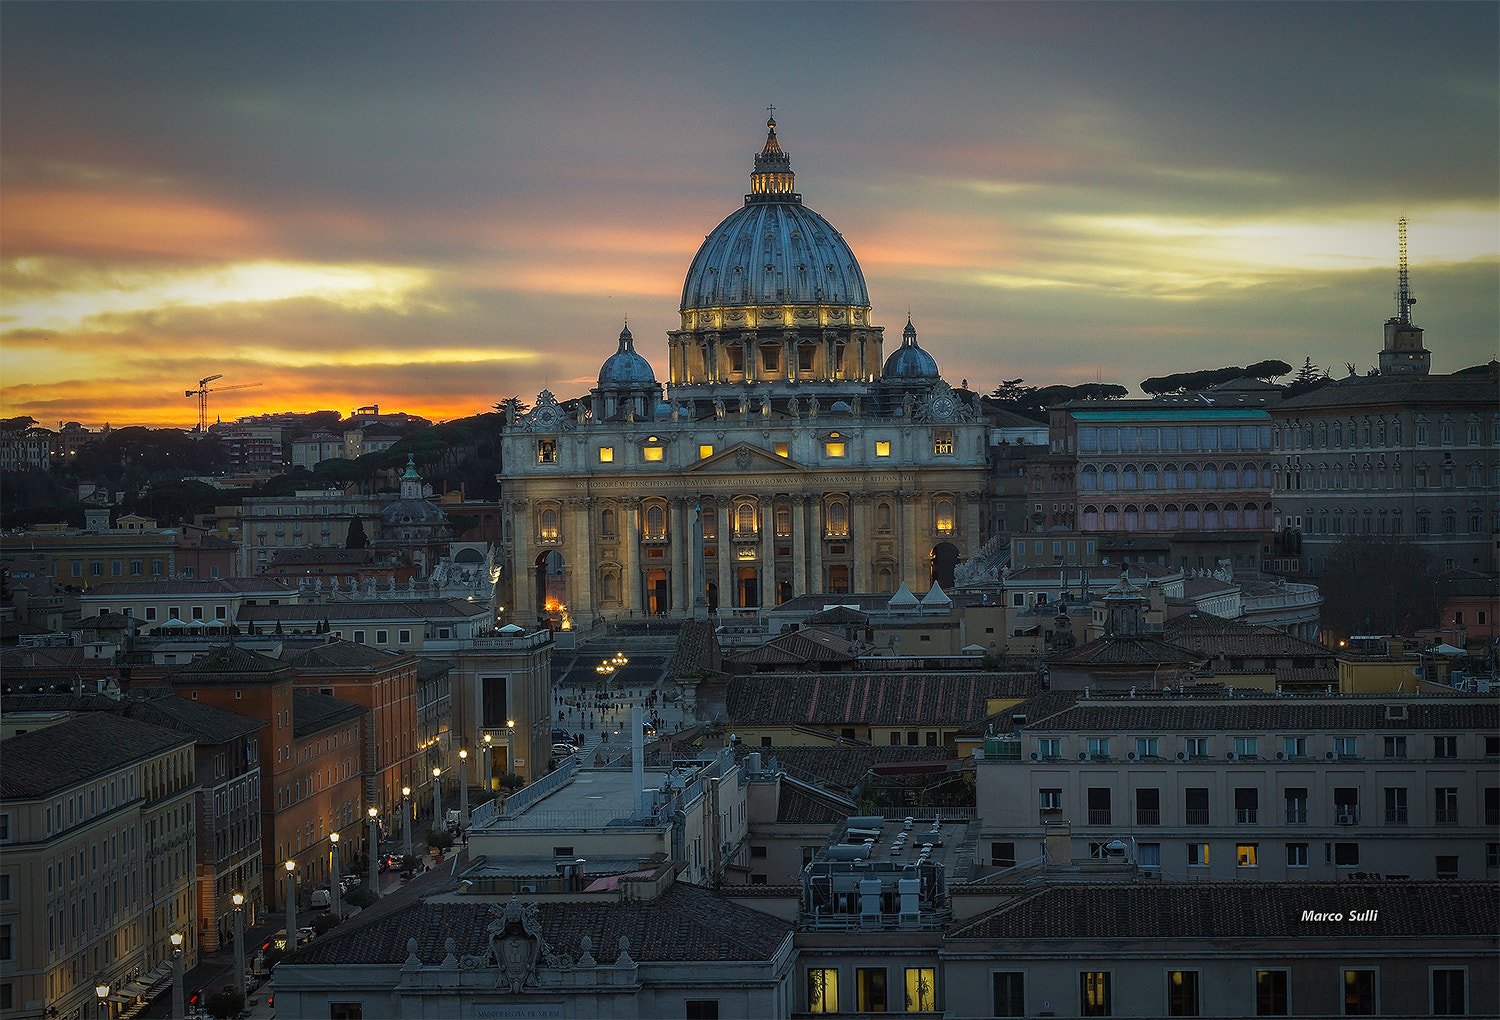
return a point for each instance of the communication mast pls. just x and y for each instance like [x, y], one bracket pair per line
[1404, 299]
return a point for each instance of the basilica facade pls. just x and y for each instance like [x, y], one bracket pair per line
[786, 454]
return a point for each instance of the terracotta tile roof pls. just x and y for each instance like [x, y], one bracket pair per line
[62, 702]
[208, 724]
[1214, 635]
[799, 646]
[206, 588]
[1171, 713]
[341, 655]
[1035, 709]
[1478, 387]
[1124, 649]
[841, 615]
[842, 767]
[1239, 910]
[876, 699]
[684, 923]
[797, 804]
[48, 760]
[404, 609]
[697, 650]
[233, 664]
[312, 712]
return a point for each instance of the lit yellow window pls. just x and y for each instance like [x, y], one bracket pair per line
[921, 992]
[1246, 854]
[943, 516]
[823, 990]
[651, 452]
[942, 442]
[606, 454]
[882, 447]
[833, 449]
[705, 451]
[781, 450]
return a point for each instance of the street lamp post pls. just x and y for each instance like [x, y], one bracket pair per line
[291, 905]
[101, 993]
[179, 1006]
[510, 745]
[489, 776]
[335, 889]
[374, 853]
[437, 796]
[406, 818]
[239, 942]
[463, 787]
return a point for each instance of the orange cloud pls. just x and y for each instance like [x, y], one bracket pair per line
[34, 222]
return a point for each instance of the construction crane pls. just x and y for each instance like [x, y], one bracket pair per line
[202, 393]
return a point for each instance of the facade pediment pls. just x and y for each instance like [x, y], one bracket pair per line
[742, 458]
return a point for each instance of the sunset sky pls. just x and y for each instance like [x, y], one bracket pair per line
[436, 206]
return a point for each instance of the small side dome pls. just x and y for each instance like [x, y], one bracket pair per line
[909, 361]
[625, 369]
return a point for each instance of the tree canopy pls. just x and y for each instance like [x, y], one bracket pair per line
[1378, 584]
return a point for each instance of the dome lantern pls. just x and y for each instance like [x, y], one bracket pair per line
[772, 179]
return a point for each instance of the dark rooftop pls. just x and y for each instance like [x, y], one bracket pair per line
[312, 712]
[48, 760]
[876, 699]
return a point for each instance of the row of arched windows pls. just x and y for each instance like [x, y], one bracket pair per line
[1210, 475]
[1172, 516]
[745, 519]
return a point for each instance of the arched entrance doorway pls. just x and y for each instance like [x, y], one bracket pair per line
[944, 559]
[551, 587]
[713, 597]
[749, 587]
[658, 598]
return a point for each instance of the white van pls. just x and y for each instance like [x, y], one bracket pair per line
[320, 899]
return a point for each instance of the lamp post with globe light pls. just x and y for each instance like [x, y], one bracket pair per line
[489, 777]
[437, 796]
[101, 993]
[406, 819]
[334, 890]
[179, 1006]
[291, 904]
[463, 787]
[239, 940]
[374, 853]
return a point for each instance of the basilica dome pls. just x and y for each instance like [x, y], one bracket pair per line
[909, 361]
[625, 369]
[773, 250]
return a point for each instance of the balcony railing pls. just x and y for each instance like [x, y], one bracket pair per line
[1395, 816]
[1245, 816]
[1296, 815]
[1445, 816]
[1098, 816]
[1148, 816]
[1196, 816]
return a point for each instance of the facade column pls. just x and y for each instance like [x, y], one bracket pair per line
[681, 533]
[861, 538]
[725, 512]
[815, 529]
[972, 523]
[789, 356]
[523, 590]
[581, 562]
[748, 347]
[799, 544]
[630, 584]
[911, 546]
[766, 572]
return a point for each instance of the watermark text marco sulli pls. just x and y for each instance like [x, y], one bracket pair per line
[1340, 915]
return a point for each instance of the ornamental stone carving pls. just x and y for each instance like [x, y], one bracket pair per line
[546, 416]
[516, 946]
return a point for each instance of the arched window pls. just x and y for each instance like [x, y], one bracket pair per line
[1088, 478]
[783, 521]
[1169, 477]
[607, 523]
[838, 519]
[710, 518]
[1170, 518]
[656, 521]
[1090, 518]
[942, 516]
[883, 517]
[1111, 518]
[1338, 434]
[885, 579]
[1231, 476]
[1110, 481]
[1189, 476]
[1322, 433]
[744, 523]
[1210, 517]
[548, 531]
[1129, 479]
[1231, 515]
[1190, 519]
[1148, 476]
[1152, 519]
[1210, 476]
[1132, 518]
[609, 586]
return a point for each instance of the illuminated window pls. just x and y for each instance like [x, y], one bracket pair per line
[744, 523]
[548, 532]
[705, 451]
[838, 519]
[942, 516]
[546, 451]
[1247, 855]
[942, 442]
[921, 990]
[833, 448]
[781, 450]
[1197, 855]
[1359, 993]
[710, 518]
[651, 453]
[823, 990]
[882, 447]
[656, 522]
[1093, 993]
[783, 522]
[606, 454]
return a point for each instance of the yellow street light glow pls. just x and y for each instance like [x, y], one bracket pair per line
[333, 836]
[176, 937]
[291, 866]
[406, 791]
[463, 752]
[373, 812]
[239, 899]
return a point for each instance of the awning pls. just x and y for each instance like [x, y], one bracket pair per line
[122, 999]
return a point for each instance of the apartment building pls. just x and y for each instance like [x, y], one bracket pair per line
[1228, 787]
[165, 606]
[99, 831]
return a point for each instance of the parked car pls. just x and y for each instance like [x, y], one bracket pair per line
[563, 750]
[349, 883]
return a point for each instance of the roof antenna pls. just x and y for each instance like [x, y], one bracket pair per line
[1404, 299]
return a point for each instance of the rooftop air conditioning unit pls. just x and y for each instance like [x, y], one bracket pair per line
[1330, 756]
[1229, 756]
[1345, 818]
[1035, 756]
[1130, 755]
[1083, 756]
[1182, 756]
